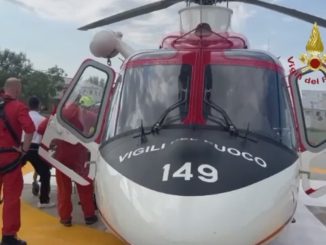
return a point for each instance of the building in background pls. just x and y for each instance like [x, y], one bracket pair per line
[314, 104]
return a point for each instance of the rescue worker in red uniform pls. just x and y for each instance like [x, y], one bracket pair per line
[14, 120]
[72, 156]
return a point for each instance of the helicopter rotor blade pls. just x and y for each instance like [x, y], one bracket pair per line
[148, 8]
[145, 9]
[288, 11]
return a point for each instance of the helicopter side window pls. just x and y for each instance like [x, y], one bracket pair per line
[148, 91]
[114, 109]
[81, 108]
[287, 130]
[312, 89]
[250, 96]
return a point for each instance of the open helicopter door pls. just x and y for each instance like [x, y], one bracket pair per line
[308, 88]
[70, 142]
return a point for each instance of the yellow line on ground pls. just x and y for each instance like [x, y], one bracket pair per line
[318, 170]
[39, 228]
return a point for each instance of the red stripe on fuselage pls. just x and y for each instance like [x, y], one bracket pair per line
[221, 58]
[277, 231]
[195, 115]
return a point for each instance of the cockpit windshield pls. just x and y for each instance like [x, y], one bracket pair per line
[150, 90]
[254, 98]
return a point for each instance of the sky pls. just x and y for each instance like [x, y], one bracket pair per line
[46, 30]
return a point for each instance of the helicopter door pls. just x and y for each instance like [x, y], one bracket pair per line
[309, 98]
[71, 140]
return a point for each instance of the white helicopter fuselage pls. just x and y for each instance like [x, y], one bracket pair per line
[251, 215]
[195, 182]
[209, 79]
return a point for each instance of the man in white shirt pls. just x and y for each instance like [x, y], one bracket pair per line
[41, 167]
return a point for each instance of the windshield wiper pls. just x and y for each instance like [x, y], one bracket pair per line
[247, 133]
[229, 126]
[158, 124]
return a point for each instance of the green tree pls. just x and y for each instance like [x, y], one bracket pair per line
[45, 85]
[12, 64]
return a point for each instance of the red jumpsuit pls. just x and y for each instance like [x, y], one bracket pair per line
[74, 157]
[64, 185]
[12, 182]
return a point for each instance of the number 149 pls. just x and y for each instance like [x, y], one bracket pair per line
[206, 173]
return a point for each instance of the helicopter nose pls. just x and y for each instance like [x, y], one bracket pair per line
[243, 216]
[196, 187]
[203, 164]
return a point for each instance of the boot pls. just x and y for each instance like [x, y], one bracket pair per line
[35, 188]
[12, 240]
[91, 220]
[66, 223]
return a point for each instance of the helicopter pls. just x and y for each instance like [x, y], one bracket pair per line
[197, 142]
